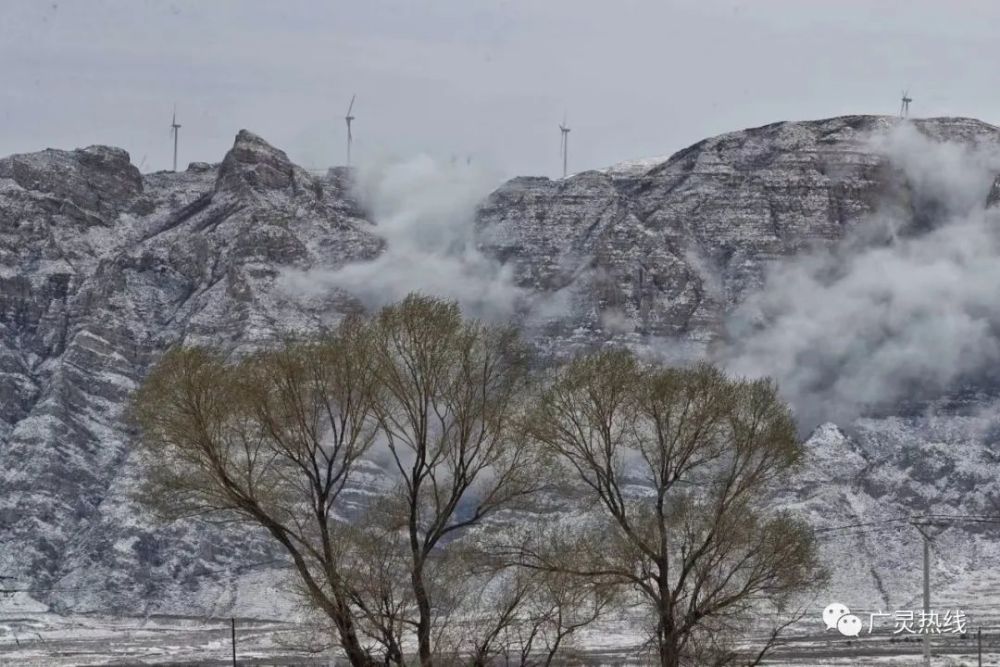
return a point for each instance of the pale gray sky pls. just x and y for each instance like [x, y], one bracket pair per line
[488, 78]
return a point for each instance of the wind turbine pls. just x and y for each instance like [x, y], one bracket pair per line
[350, 138]
[904, 108]
[174, 126]
[564, 142]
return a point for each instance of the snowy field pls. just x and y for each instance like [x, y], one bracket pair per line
[30, 635]
[46, 639]
[43, 639]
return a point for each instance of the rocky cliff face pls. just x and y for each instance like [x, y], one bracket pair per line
[102, 269]
[669, 248]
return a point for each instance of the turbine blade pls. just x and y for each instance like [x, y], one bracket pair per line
[351, 105]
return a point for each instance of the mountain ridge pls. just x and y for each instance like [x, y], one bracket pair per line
[102, 268]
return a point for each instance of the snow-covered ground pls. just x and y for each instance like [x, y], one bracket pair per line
[48, 639]
[45, 639]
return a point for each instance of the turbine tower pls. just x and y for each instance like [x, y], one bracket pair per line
[350, 138]
[564, 143]
[904, 108]
[174, 126]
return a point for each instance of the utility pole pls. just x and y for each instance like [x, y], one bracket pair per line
[927, 599]
[232, 623]
[921, 527]
[979, 643]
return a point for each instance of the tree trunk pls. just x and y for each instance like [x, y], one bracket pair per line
[669, 655]
[356, 655]
[666, 632]
[424, 619]
[334, 605]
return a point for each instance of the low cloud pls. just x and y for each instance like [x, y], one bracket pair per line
[424, 209]
[907, 307]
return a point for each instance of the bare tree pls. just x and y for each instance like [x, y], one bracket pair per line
[452, 394]
[276, 438]
[507, 614]
[377, 564]
[556, 608]
[272, 439]
[678, 463]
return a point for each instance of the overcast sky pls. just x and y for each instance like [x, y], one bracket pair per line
[485, 78]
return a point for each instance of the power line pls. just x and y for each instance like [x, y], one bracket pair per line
[860, 525]
[975, 518]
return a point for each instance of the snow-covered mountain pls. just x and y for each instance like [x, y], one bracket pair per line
[102, 268]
